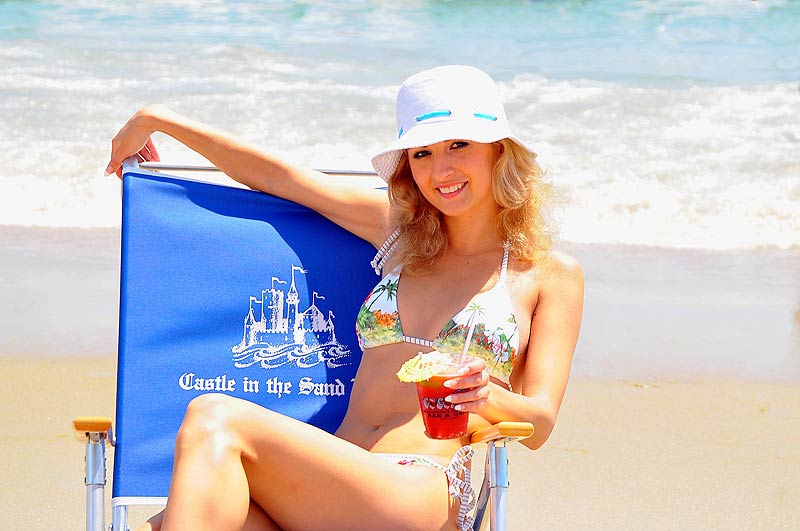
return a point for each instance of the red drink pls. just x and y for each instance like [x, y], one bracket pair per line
[441, 419]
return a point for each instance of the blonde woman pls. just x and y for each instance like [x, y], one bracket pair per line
[461, 234]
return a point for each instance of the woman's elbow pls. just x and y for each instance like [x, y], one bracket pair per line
[544, 420]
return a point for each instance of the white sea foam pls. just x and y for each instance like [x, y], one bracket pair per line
[645, 156]
[693, 167]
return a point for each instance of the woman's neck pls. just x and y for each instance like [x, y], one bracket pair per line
[471, 237]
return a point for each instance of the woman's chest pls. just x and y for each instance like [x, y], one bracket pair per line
[427, 305]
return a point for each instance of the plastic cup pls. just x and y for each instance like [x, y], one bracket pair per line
[442, 420]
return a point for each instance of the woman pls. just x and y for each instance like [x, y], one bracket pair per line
[461, 234]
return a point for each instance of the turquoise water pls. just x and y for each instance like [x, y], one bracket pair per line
[658, 41]
[667, 122]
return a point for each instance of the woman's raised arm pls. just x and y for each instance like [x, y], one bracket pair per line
[358, 209]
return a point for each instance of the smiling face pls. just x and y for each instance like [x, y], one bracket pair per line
[455, 176]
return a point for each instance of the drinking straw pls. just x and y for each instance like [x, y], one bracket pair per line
[468, 339]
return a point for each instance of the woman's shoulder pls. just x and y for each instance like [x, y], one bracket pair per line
[560, 273]
[554, 273]
[551, 262]
[564, 264]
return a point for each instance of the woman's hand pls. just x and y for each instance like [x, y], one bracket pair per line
[133, 140]
[471, 387]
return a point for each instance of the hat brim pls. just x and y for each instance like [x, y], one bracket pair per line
[385, 161]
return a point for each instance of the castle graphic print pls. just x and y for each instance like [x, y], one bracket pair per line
[277, 332]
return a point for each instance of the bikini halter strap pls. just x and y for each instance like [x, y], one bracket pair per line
[504, 267]
[385, 252]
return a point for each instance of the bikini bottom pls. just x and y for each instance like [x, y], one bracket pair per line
[458, 479]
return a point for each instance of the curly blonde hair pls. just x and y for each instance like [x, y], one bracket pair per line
[524, 220]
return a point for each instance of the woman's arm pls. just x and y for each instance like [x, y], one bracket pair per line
[554, 333]
[358, 209]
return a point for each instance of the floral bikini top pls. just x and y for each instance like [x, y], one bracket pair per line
[490, 315]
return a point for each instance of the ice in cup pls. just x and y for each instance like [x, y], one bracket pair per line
[429, 371]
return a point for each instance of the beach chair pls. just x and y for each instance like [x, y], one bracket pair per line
[230, 290]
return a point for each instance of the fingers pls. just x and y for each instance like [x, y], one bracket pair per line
[117, 158]
[113, 165]
[470, 400]
[148, 153]
[132, 140]
[473, 374]
[150, 147]
[468, 381]
[471, 390]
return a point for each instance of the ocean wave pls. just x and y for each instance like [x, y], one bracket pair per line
[658, 148]
[698, 167]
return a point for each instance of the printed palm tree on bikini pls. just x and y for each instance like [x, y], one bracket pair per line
[366, 317]
[475, 309]
[498, 344]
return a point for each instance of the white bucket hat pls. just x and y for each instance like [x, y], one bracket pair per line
[445, 103]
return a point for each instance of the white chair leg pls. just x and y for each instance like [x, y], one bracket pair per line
[483, 496]
[95, 482]
[497, 458]
[119, 518]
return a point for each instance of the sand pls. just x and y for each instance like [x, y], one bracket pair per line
[625, 455]
[713, 454]
[683, 411]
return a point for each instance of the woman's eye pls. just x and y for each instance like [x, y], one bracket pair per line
[420, 154]
[459, 144]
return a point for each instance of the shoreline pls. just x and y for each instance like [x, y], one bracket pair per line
[649, 312]
[686, 314]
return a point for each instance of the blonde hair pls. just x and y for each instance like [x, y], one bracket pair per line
[519, 189]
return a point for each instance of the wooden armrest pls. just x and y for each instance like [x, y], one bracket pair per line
[502, 430]
[86, 425]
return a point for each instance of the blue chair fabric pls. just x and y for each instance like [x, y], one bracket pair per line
[233, 291]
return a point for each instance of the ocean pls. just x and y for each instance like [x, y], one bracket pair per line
[668, 123]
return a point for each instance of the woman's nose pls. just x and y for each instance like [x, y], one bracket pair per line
[442, 167]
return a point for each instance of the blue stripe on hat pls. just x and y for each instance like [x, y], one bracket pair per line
[434, 114]
[485, 116]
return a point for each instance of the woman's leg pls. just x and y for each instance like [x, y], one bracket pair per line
[229, 451]
[257, 520]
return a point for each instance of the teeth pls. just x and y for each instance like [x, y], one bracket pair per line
[451, 189]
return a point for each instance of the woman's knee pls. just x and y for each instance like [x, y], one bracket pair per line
[210, 417]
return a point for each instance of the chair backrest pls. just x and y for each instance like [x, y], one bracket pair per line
[233, 291]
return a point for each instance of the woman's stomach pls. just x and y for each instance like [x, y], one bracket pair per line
[388, 420]
[398, 433]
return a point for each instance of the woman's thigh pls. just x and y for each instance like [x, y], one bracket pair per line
[306, 478]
